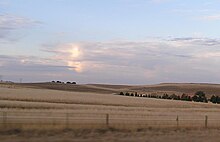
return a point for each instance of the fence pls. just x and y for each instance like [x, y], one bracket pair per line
[87, 120]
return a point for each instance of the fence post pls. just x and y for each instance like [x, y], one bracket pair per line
[177, 121]
[206, 121]
[107, 119]
[67, 120]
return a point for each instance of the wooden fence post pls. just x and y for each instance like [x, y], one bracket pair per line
[206, 121]
[177, 121]
[107, 119]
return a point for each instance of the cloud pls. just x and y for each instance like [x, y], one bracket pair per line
[122, 62]
[10, 23]
[197, 41]
[154, 60]
[211, 17]
[208, 54]
[31, 68]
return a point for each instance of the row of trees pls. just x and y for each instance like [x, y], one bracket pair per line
[199, 96]
[60, 82]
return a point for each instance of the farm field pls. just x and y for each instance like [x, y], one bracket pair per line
[97, 108]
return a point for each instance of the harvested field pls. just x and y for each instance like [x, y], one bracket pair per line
[32, 107]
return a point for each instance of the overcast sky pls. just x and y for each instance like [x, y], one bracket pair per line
[110, 41]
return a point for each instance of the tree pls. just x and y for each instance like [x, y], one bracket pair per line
[127, 94]
[184, 97]
[189, 98]
[213, 99]
[195, 98]
[165, 96]
[135, 94]
[200, 94]
[173, 96]
[121, 93]
[199, 97]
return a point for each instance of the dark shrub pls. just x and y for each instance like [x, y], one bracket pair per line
[121, 93]
[127, 94]
[165, 96]
[218, 99]
[200, 97]
[213, 99]
[136, 94]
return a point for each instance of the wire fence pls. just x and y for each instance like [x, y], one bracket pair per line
[85, 120]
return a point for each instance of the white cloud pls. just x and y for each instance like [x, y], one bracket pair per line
[10, 23]
[211, 17]
[209, 54]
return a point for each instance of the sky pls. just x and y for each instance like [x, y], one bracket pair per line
[110, 41]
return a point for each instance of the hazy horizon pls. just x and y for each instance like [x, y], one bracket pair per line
[111, 42]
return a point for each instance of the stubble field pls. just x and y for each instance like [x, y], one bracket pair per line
[96, 113]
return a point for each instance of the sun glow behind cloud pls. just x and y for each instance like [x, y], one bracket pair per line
[69, 54]
[75, 53]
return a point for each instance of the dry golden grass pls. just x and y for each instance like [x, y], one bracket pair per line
[30, 95]
[37, 99]
[21, 98]
[130, 118]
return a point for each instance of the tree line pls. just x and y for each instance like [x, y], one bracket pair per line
[60, 82]
[199, 96]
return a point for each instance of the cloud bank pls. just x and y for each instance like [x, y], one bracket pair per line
[153, 60]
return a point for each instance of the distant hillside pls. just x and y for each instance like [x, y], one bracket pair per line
[177, 88]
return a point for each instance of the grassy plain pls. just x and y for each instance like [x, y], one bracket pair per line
[94, 101]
